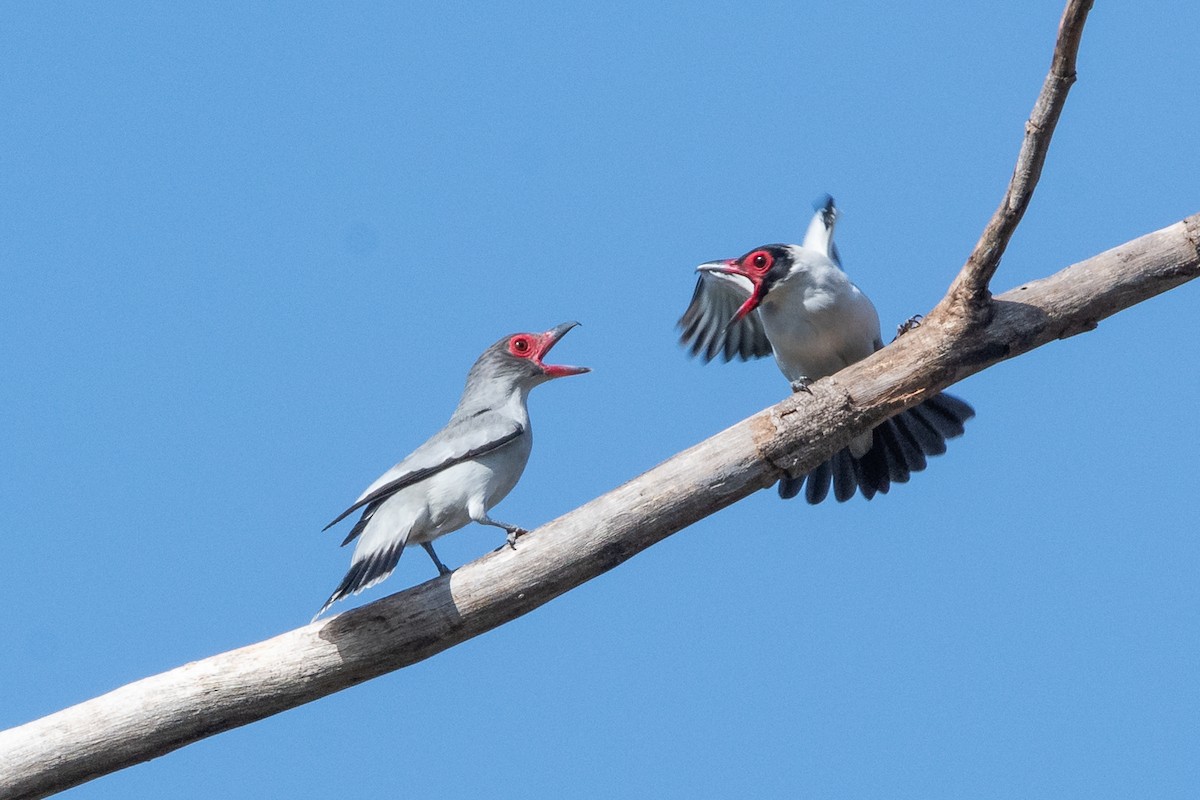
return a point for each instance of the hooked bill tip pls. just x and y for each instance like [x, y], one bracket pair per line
[560, 330]
[552, 337]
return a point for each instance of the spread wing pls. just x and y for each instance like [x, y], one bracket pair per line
[706, 328]
[459, 441]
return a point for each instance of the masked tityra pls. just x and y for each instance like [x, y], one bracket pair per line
[795, 302]
[462, 471]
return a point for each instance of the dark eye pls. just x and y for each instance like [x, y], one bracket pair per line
[759, 261]
[520, 346]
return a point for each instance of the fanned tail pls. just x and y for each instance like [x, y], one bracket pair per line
[899, 447]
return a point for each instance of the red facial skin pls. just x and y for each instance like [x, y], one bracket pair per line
[535, 346]
[753, 266]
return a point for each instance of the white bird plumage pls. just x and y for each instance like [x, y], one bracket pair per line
[796, 303]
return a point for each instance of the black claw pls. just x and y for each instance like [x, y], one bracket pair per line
[912, 322]
[513, 533]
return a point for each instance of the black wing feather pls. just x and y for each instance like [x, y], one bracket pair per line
[707, 329]
[409, 478]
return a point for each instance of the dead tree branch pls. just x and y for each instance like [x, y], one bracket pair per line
[967, 298]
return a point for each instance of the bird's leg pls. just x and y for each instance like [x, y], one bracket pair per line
[912, 322]
[513, 530]
[801, 384]
[441, 568]
[513, 533]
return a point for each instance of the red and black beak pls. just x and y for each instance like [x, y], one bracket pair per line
[547, 340]
[732, 267]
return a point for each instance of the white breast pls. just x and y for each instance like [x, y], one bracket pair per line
[817, 320]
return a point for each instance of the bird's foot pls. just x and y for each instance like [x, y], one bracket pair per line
[801, 385]
[437, 562]
[513, 533]
[912, 322]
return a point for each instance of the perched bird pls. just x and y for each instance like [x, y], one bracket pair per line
[462, 471]
[795, 302]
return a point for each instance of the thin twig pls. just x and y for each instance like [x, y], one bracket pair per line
[968, 296]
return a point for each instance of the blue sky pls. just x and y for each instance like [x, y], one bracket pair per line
[248, 255]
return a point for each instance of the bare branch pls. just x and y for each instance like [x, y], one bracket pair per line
[162, 713]
[967, 298]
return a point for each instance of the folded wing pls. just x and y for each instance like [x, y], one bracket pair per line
[461, 440]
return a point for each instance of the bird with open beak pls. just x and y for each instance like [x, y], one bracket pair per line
[462, 471]
[796, 303]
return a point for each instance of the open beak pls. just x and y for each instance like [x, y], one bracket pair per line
[731, 267]
[546, 341]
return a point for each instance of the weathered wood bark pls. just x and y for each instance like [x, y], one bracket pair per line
[158, 714]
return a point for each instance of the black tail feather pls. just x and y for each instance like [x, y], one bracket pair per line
[861, 482]
[818, 483]
[361, 525]
[789, 487]
[874, 477]
[900, 447]
[893, 450]
[951, 407]
[372, 569]
[844, 478]
[914, 454]
[940, 419]
[932, 443]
